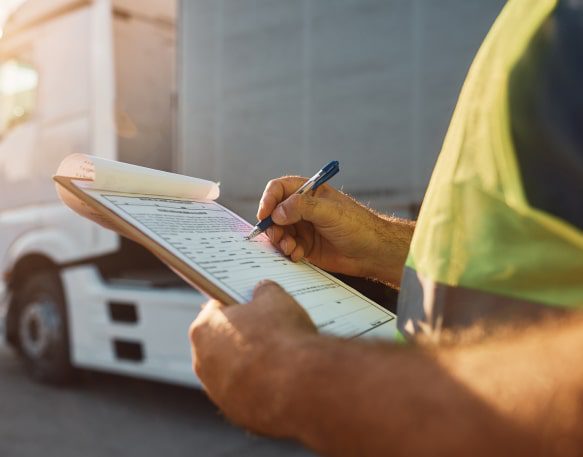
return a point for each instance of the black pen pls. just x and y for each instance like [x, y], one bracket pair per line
[311, 184]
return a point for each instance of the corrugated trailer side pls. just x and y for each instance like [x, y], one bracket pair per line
[277, 87]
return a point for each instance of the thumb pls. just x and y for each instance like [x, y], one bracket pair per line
[319, 211]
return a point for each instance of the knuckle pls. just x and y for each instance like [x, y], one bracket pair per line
[275, 186]
[266, 283]
[269, 191]
[213, 303]
[270, 184]
[265, 286]
[198, 326]
[194, 330]
[196, 367]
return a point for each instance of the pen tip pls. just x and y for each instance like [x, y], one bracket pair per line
[253, 233]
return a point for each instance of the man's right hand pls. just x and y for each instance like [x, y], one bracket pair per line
[334, 232]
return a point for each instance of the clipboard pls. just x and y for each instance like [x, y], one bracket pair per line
[120, 225]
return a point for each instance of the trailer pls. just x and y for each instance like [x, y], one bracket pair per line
[236, 91]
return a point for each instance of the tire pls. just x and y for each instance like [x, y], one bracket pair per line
[42, 328]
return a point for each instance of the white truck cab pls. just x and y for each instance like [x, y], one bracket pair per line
[236, 91]
[96, 77]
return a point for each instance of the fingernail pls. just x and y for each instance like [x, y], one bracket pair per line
[279, 214]
[283, 245]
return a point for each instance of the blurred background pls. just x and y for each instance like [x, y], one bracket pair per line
[237, 91]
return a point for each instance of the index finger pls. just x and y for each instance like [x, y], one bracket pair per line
[276, 191]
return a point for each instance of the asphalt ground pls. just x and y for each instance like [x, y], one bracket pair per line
[106, 415]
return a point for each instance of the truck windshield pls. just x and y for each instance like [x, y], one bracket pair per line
[18, 87]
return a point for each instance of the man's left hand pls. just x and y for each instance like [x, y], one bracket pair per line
[239, 353]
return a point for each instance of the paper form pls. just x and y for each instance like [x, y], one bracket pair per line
[210, 239]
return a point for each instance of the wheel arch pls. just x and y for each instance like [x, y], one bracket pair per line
[27, 265]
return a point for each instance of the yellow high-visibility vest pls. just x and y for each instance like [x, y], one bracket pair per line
[480, 251]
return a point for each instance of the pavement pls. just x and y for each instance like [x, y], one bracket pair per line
[106, 415]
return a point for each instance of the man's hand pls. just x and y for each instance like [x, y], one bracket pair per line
[239, 353]
[334, 232]
[268, 370]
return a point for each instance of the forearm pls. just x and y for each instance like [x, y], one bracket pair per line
[348, 398]
[351, 398]
[393, 239]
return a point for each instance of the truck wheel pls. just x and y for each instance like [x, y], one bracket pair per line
[42, 328]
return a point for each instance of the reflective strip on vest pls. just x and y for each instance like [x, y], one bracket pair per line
[447, 308]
